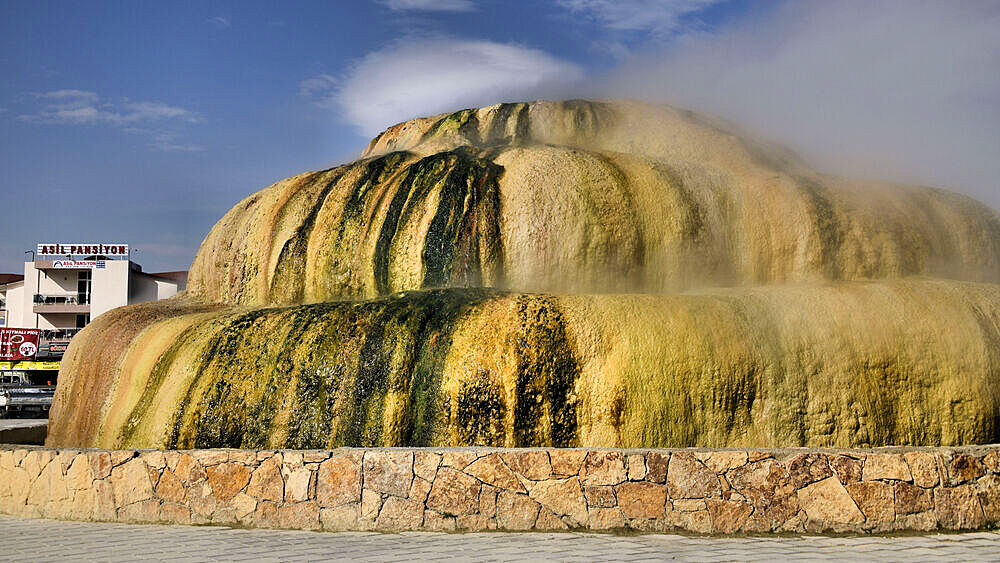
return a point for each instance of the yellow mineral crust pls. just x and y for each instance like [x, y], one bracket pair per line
[561, 273]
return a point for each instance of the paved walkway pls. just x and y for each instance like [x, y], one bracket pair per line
[6, 423]
[50, 540]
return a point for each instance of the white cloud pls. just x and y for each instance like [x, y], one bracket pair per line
[319, 87]
[146, 118]
[429, 5]
[659, 17]
[168, 142]
[79, 107]
[220, 22]
[907, 91]
[423, 77]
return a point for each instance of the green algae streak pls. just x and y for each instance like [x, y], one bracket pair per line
[561, 274]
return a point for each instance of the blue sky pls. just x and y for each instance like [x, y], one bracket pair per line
[143, 122]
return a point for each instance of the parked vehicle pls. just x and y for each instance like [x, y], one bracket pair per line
[19, 396]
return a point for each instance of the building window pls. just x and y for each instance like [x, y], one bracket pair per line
[83, 287]
[82, 320]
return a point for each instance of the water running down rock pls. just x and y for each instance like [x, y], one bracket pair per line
[561, 274]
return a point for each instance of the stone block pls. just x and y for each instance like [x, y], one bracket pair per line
[437, 522]
[458, 459]
[958, 508]
[189, 470]
[884, 467]
[146, 511]
[472, 522]
[910, 498]
[84, 505]
[488, 501]
[516, 511]
[425, 465]
[174, 513]
[292, 458]
[419, 490]
[266, 515]
[992, 461]
[603, 468]
[80, 476]
[963, 468]
[827, 501]
[338, 480]
[105, 509]
[454, 492]
[656, 467]
[297, 485]
[728, 516]
[202, 499]
[299, 516]
[532, 464]
[636, 467]
[699, 521]
[244, 506]
[722, 461]
[119, 457]
[266, 482]
[131, 482]
[642, 499]
[547, 521]
[400, 514]
[491, 470]
[563, 497]
[766, 485]
[875, 499]
[170, 488]
[208, 458]
[245, 457]
[988, 489]
[388, 471]
[228, 479]
[339, 519]
[154, 459]
[566, 462]
[920, 522]
[689, 478]
[923, 468]
[35, 461]
[688, 505]
[605, 519]
[371, 503]
[315, 456]
[846, 468]
[807, 468]
[600, 496]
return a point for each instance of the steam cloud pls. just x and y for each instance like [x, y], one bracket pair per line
[903, 91]
[906, 91]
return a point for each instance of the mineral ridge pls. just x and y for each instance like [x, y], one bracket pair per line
[563, 274]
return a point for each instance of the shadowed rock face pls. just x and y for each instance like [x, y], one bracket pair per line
[529, 274]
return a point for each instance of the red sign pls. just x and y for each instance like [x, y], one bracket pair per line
[18, 344]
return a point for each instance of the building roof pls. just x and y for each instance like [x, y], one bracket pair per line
[10, 278]
[180, 276]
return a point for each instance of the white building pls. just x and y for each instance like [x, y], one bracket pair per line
[60, 294]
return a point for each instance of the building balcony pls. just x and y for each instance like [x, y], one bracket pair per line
[52, 344]
[61, 303]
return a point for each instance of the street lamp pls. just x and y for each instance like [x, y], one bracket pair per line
[32, 254]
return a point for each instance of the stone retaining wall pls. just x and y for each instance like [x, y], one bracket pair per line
[703, 491]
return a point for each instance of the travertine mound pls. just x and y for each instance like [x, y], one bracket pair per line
[572, 239]
[580, 197]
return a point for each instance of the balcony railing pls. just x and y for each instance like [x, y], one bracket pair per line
[61, 299]
[48, 335]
